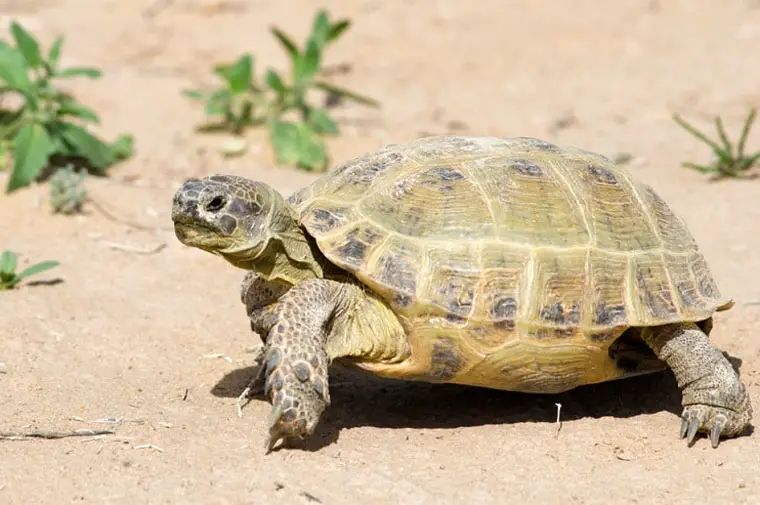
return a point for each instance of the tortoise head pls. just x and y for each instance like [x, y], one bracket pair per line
[226, 215]
[246, 222]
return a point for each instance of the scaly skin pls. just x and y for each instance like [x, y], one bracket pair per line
[257, 294]
[290, 303]
[296, 357]
[714, 398]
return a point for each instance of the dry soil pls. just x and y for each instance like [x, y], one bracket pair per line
[143, 330]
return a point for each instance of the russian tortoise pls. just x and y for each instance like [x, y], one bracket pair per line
[508, 263]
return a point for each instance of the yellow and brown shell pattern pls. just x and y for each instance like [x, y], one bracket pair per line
[509, 257]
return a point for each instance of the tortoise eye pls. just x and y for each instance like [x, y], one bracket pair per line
[215, 204]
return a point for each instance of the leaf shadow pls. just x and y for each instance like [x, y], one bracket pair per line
[46, 282]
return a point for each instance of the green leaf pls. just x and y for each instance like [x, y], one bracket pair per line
[194, 94]
[308, 63]
[745, 132]
[92, 73]
[218, 102]
[288, 44]
[14, 72]
[297, 144]
[38, 268]
[285, 141]
[54, 53]
[312, 154]
[274, 81]
[32, 146]
[8, 281]
[699, 168]
[123, 147]
[27, 44]
[8, 262]
[75, 109]
[86, 145]
[4, 152]
[698, 134]
[58, 145]
[346, 94]
[337, 29]
[322, 123]
[238, 75]
[321, 28]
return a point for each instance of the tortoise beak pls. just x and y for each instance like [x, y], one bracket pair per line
[186, 232]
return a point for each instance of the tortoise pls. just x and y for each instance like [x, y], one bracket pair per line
[506, 263]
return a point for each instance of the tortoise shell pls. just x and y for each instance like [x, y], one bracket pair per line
[548, 244]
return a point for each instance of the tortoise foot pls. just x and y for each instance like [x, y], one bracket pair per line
[296, 409]
[298, 391]
[716, 422]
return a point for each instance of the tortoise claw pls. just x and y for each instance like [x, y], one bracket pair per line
[694, 424]
[275, 428]
[715, 435]
[717, 429]
[717, 423]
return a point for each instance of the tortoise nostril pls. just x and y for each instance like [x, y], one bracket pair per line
[215, 204]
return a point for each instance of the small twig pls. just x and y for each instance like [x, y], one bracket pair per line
[52, 435]
[149, 446]
[558, 422]
[109, 420]
[134, 249]
[218, 355]
[254, 385]
[310, 497]
[108, 215]
[122, 439]
[245, 395]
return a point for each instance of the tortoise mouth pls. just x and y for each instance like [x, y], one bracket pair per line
[193, 233]
[205, 237]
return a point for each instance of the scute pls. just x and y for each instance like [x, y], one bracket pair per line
[519, 233]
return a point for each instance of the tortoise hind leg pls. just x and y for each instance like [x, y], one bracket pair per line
[714, 398]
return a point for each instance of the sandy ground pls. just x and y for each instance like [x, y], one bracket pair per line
[127, 333]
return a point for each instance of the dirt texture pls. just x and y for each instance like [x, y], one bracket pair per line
[152, 334]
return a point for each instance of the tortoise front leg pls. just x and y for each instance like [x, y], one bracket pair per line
[296, 358]
[714, 398]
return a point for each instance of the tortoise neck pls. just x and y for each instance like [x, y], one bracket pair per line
[289, 256]
[289, 260]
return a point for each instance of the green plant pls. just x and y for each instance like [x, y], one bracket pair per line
[47, 128]
[727, 162]
[67, 192]
[9, 279]
[296, 125]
